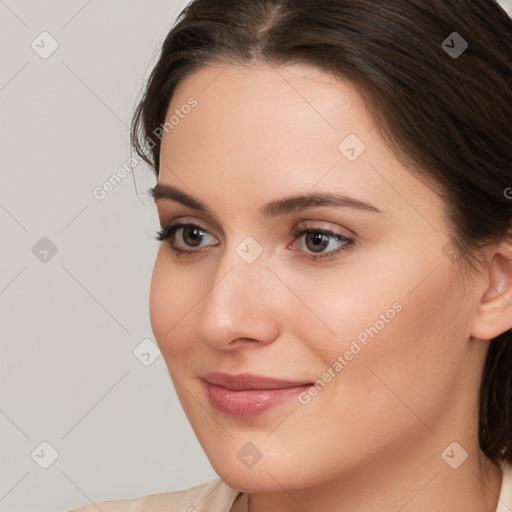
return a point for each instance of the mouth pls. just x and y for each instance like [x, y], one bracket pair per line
[248, 394]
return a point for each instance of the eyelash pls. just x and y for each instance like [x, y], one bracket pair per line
[167, 231]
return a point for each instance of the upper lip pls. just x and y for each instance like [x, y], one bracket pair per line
[245, 381]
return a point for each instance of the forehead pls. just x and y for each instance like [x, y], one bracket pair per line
[261, 132]
[294, 89]
[257, 72]
[290, 113]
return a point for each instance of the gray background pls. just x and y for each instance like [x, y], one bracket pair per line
[69, 325]
[71, 321]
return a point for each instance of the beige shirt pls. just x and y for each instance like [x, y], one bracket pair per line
[217, 496]
[214, 496]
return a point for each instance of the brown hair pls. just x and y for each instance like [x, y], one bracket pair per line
[447, 117]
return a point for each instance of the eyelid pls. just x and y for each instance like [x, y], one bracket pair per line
[349, 242]
[300, 225]
[297, 231]
[189, 220]
[169, 230]
[323, 225]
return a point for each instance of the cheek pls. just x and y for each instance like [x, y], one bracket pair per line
[332, 307]
[171, 302]
[397, 370]
[402, 320]
[393, 301]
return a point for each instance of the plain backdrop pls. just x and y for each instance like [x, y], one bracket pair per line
[87, 409]
[75, 270]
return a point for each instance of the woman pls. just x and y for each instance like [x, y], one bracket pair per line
[333, 289]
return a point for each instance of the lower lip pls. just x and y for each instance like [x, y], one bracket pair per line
[250, 402]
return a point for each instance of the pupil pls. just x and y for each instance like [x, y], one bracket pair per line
[194, 234]
[319, 241]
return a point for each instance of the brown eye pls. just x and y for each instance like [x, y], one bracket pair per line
[316, 241]
[189, 236]
[192, 235]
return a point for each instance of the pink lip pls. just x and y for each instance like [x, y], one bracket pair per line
[247, 394]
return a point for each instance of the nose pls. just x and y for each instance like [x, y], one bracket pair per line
[241, 307]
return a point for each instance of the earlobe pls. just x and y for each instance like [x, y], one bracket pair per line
[494, 314]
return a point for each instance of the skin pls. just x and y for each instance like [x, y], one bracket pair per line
[373, 437]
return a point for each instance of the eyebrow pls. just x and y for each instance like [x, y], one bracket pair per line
[295, 203]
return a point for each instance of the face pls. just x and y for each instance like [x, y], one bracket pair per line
[351, 300]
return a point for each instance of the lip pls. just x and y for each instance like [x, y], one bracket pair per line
[247, 394]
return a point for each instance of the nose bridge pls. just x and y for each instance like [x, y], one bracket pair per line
[240, 301]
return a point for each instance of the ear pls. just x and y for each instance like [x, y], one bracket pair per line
[494, 313]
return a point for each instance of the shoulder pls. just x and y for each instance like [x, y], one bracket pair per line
[505, 497]
[213, 496]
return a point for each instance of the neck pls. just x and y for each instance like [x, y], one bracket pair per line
[399, 484]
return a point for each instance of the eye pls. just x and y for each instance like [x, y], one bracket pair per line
[318, 239]
[191, 234]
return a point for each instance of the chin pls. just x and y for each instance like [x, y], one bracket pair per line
[271, 473]
[261, 481]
